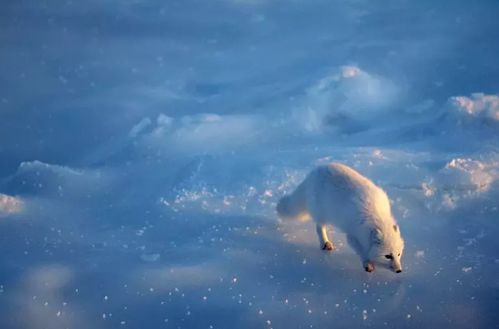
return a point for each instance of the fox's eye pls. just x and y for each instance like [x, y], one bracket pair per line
[399, 255]
[389, 256]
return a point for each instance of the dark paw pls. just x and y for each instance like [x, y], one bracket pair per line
[328, 246]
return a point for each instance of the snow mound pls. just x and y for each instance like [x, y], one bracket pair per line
[39, 168]
[462, 179]
[345, 100]
[35, 177]
[196, 134]
[477, 107]
[9, 204]
[469, 174]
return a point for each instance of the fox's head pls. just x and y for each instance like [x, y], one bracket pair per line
[387, 247]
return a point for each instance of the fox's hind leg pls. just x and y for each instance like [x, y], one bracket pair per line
[326, 244]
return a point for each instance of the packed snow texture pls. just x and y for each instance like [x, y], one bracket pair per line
[145, 145]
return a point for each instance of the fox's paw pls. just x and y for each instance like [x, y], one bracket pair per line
[328, 245]
[369, 267]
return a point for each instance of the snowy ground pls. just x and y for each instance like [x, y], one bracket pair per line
[144, 145]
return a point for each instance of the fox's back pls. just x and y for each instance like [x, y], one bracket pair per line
[339, 192]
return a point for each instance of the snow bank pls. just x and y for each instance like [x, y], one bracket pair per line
[36, 177]
[469, 174]
[461, 180]
[197, 134]
[477, 107]
[345, 100]
[9, 204]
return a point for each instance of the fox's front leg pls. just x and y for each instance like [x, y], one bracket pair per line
[326, 244]
[368, 266]
[354, 243]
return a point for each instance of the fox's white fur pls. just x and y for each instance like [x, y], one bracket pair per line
[338, 195]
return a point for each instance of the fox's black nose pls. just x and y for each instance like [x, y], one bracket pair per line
[398, 271]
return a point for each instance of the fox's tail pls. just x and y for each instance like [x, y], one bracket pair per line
[294, 206]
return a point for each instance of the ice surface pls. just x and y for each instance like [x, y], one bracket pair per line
[145, 144]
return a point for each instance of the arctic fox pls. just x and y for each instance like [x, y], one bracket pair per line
[338, 195]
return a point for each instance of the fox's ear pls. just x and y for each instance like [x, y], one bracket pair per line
[376, 236]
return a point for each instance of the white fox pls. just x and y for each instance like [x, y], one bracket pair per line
[338, 195]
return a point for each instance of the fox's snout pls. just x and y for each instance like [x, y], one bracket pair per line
[396, 266]
[397, 269]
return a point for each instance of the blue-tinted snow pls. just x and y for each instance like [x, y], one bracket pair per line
[144, 145]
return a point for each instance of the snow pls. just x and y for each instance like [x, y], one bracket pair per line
[198, 133]
[9, 205]
[479, 106]
[145, 145]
